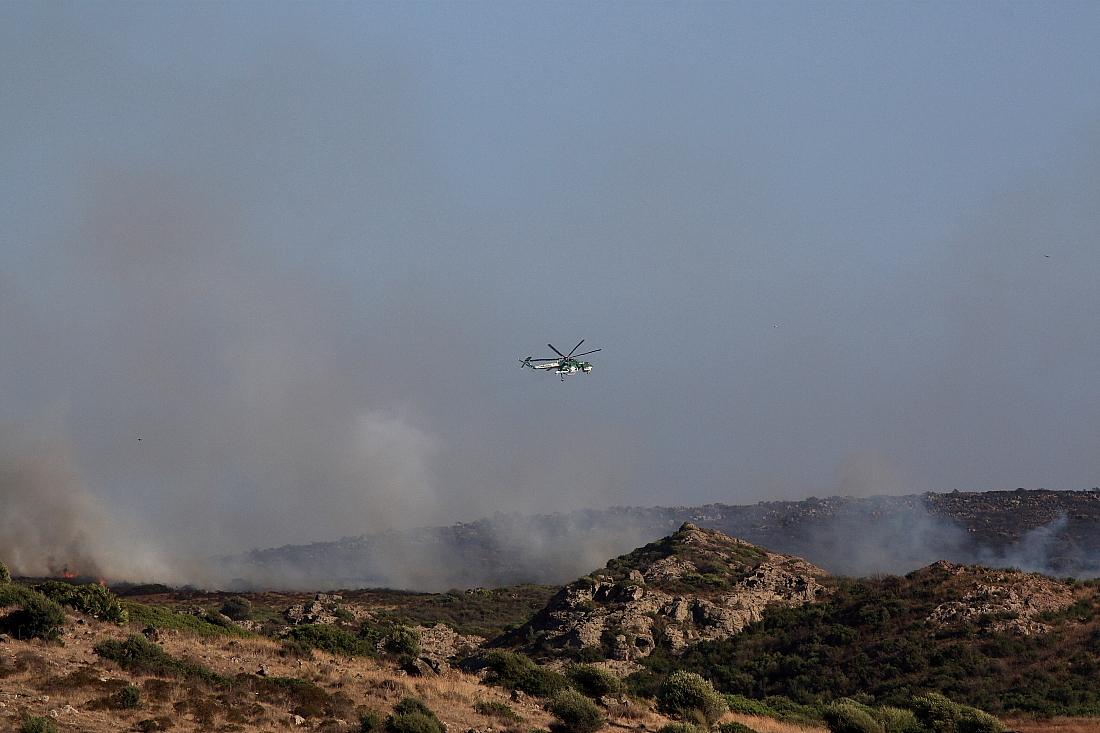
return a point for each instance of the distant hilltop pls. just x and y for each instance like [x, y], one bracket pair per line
[1054, 532]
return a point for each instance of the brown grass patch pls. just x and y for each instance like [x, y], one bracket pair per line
[1052, 725]
[771, 725]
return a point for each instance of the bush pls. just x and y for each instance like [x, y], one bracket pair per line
[691, 728]
[39, 618]
[896, 720]
[166, 618]
[296, 648]
[593, 681]
[92, 599]
[497, 710]
[332, 640]
[745, 706]
[687, 695]
[941, 715]
[414, 723]
[402, 640]
[413, 705]
[973, 720]
[138, 654]
[237, 608]
[850, 718]
[5, 575]
[38, 724]
[128, 697]
[370, 721]
[938, 714]
[517, 672]
[576, 712]
[411, 715]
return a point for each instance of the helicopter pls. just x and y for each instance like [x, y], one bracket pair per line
[568, 363]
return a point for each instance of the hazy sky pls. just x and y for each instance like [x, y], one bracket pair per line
[266, 269]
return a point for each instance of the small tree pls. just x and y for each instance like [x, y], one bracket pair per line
[687, 694]
[403, 640]
[850, 718]
[518, 672]
[128, 697]
[411, 715]
[5, 576]
[576, 712]
[38, 618]
[593, 681]
[237, 608]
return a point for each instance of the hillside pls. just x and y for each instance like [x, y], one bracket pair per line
[1001, 640]
[1049, 531]
[693, 585]
[781, 635]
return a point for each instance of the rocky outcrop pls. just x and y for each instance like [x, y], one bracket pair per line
[694, 585]
[1001, 600]
[325, 609]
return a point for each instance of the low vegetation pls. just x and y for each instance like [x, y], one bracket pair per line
[874, 637]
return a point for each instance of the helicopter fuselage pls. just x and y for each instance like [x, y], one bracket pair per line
[567, 364]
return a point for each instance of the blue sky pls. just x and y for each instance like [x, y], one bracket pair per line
[297, 249]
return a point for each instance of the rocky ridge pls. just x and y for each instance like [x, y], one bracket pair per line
[694, 585]
[1005, 600]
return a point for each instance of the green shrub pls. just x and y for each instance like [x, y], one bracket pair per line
[745, 706]
[682, 727]
[414, 723]
[39, 618]
[92, 599]
[411, 715]
[402, 640]
[412, 705]
[576, 712]
[38, 724]
[518, 672]
[497, 710]
[972, 720]
[896, 720]
[332, 640]
[593, 681]
[295, 648]
[370, 721]
[165, 618]
[687, 695]
[138, 654]
[5, 575]
[237, 608]
[128, 697]
[850, 718]
[938, 714]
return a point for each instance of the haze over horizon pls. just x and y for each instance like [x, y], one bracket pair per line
[266, 270]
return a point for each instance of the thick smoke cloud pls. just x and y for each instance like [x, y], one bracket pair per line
[265, 285]
[51, 525]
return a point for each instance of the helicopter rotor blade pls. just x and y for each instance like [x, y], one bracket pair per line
[574, 349]
[593, 351]
[557, 352]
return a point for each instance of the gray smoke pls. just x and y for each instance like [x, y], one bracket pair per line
[262, 285]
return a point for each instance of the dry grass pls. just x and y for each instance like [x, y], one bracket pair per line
[770, 725]
[1053, 725]
[72, 685]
